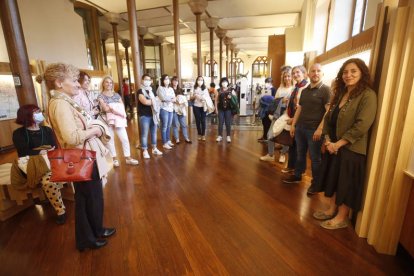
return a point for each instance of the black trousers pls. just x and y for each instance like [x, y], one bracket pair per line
[128, 103]
[266, 122]
[88, 210]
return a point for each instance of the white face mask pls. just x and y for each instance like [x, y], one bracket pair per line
[200, 83]
[147, 83]
[225, 84]
[268, 85]
[38, 118]
[166, 82]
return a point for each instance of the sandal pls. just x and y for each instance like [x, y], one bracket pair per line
[321, 215]
[328, 224]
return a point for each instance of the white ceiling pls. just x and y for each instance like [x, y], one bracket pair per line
[249, 22]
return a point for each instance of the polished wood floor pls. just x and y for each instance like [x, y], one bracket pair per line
[201, 209]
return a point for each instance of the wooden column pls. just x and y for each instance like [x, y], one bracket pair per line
[16, 48]
[276, 52]
[104, 37]
[198, 7]
[114, 18]
[142, 31]
[227, 42]
[211, 23]
[232, 46]
[176, 17]
[126, 45]
[221, 33]
[133, 34]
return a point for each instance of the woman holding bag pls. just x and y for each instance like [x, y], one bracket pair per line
[73, 130]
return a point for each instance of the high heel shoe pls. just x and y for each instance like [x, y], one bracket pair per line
[95, 245]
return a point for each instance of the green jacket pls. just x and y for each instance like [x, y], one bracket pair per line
[354, 120]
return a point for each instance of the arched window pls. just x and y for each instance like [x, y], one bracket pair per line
[260, 67]
[207, 67]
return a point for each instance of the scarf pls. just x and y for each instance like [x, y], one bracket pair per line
[293, 100]
[145, 91]
[74, 104]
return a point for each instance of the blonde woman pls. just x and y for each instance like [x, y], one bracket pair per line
[282, 97]
[111, 104]
[73, 129]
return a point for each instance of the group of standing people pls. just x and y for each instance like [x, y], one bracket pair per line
[333, 127]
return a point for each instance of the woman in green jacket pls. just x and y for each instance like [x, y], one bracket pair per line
[351, 114]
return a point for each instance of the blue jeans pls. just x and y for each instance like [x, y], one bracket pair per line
[147, 123]
[180, 120]
[224, 116]
[166, 121]
[303, 138]
[200, 118]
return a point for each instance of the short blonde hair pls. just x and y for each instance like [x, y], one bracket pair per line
[57, 71]
[104, 79]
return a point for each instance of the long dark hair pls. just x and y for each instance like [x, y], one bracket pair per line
[163, 77]
[339, 87]
[202, 86]
[177, 91]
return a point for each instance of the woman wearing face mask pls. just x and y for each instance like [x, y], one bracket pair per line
[84, 98]
[111, 103]
[180, 113]
[199, 97]
[222, 102]
[33, 140]
[166, 94]
[146, 112]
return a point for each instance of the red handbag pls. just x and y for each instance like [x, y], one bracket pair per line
[71, 165]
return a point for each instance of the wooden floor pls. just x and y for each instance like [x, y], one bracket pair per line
[201, 209]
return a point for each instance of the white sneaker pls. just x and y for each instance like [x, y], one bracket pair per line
[282, 158]
[156, 151]
[219, 139]
[146, 155]
[228, 139]
[267, 157]
[116, 163]
[131, 161]
[170, 144]
[203, 138]
[199, 138]
[166, 146]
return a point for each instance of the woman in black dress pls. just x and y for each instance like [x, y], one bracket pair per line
[351, 114]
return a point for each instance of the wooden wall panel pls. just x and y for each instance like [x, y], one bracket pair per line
[276, 51]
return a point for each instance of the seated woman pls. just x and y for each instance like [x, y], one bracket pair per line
[31, 140]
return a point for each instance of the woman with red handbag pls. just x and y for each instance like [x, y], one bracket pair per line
[71, 126]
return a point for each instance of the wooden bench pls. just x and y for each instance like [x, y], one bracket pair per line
[13, 201]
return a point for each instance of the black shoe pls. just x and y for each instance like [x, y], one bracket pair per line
[37, 201]
[96, 245]
[292, 179]
[108, 232]
[61, 219]
[311, 191]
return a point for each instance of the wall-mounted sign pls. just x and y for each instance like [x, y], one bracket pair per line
[16, 80]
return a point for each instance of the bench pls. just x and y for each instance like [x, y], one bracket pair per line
[13, 201]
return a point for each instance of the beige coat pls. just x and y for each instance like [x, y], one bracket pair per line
[66, 121]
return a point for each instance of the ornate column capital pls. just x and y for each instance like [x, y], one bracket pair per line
[211, 22]
[227, 41]
[142, 30]
[113, 18]
[159, 39]
[126, 43]
[220, 33]
[198, 6]
[104, 36]
[236, 51]
[232, 47]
